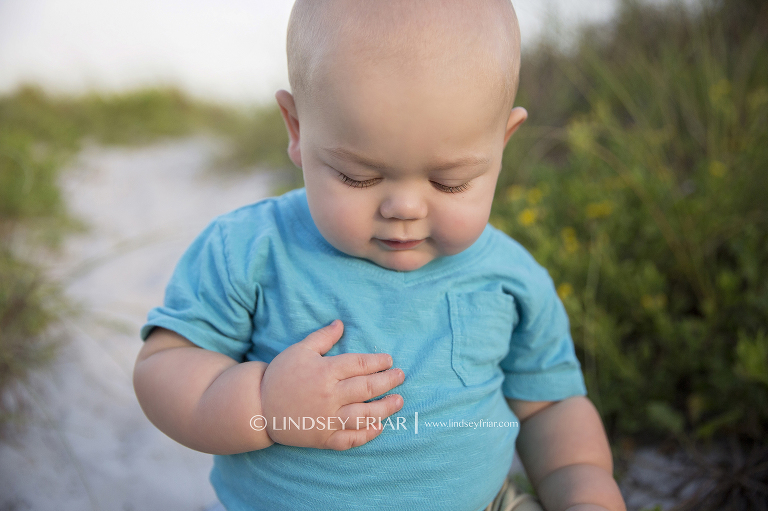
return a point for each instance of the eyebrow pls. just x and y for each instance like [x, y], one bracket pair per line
[464, 161]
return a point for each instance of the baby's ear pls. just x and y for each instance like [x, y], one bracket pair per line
[288, 110]
[517, 116]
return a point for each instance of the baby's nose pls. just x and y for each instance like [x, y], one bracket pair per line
[403, 205]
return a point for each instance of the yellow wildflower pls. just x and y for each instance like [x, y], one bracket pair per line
[653, 302]
[599, 209]
[564, 290]
[570, 241]
[716, 168]
[527, 217]
[534, 196]
[515, 193]
[647, 302]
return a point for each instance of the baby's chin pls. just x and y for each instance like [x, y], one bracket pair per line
[404, 260]
[397, 260]
[410, 260]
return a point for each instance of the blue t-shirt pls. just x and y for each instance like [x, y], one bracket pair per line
[467, 330]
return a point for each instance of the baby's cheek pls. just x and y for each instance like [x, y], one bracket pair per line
[351, 223]
[345, 228]
[456, 233]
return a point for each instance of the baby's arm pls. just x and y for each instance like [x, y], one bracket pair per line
[565, 451]
[205, 400]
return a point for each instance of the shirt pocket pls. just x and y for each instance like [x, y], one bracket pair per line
[481, 326]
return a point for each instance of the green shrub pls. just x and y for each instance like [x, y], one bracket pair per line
[642, 188]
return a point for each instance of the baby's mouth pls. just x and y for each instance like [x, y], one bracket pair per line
[400, 244]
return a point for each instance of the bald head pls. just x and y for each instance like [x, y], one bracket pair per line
[448, 38]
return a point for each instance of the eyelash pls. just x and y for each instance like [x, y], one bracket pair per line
[354, 183]
[451, 189]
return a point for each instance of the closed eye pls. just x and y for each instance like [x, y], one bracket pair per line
[354, 183]
[452, 189]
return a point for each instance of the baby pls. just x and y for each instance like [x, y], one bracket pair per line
[282, 322]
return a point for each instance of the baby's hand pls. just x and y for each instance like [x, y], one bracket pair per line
[301, 383]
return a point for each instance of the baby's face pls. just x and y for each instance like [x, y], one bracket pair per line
[400, 168]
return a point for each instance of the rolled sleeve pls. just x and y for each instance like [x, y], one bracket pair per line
[541, 364]
[202, 303]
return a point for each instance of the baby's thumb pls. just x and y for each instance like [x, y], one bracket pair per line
[323, 340]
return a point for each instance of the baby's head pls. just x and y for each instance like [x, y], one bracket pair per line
[399, 116]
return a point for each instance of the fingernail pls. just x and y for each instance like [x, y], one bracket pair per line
[335, 322]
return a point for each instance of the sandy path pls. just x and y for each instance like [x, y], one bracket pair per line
[89, 446]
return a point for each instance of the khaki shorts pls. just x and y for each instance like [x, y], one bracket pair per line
[510, 498]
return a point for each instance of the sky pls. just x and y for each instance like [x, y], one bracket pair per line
[229, 50]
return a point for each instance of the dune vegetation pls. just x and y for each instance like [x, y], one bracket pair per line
[39, 136]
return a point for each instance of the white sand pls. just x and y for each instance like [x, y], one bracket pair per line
[88, 445]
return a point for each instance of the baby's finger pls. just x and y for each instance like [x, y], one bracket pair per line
[323, 339]
[347, 438]
[348, 365]
[368, 415]
[363, 388]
